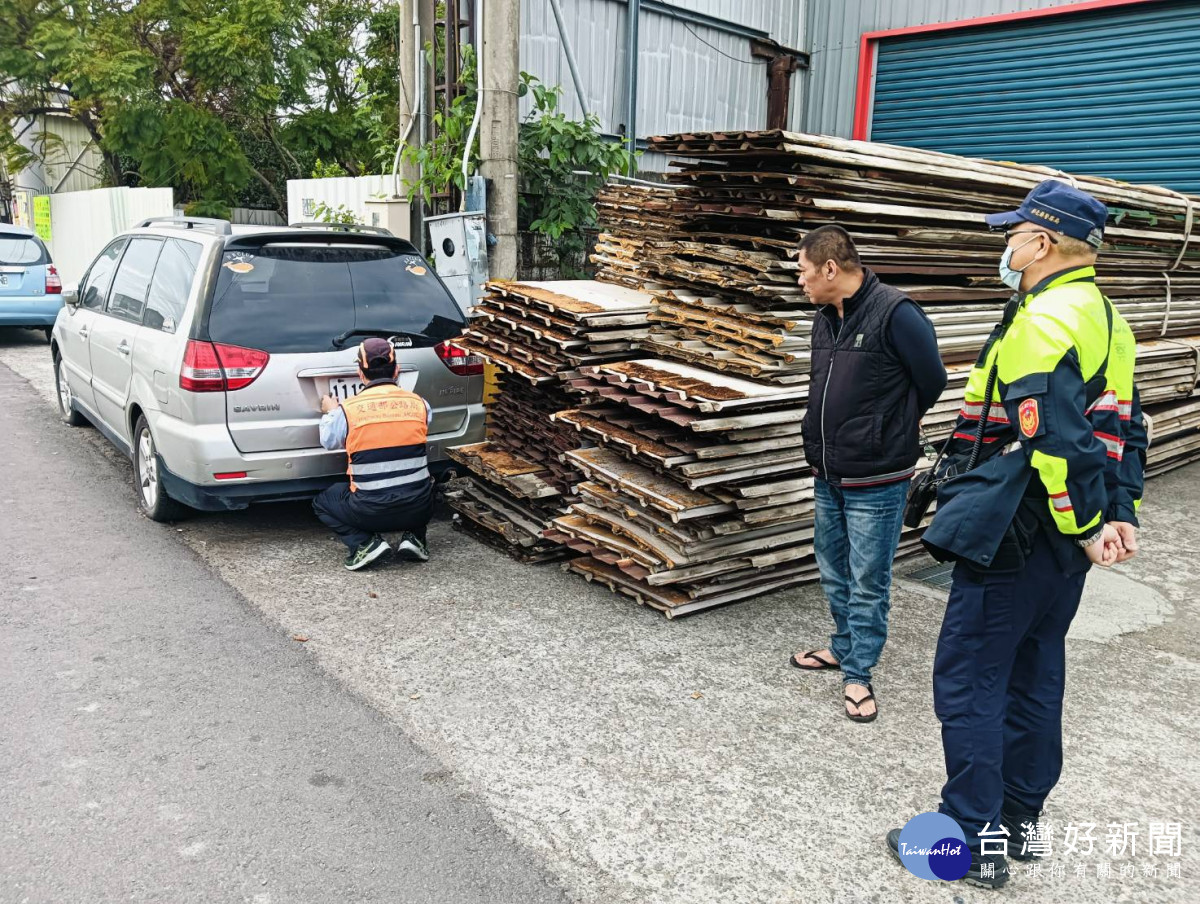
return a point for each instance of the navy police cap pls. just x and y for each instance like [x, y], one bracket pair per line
[1059, 208]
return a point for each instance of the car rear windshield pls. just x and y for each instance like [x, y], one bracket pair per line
[298, 298]
[19, 250]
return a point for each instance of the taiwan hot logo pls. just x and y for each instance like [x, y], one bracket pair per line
[932, 846]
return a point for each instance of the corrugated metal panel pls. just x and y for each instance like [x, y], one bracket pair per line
[834, 28]
[255, 216]
[691, 76]
[1119, 96]
[70, 161]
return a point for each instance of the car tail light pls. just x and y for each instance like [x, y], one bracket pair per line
[53, 281]
[213, 367]
[460, 362]
[241, 365]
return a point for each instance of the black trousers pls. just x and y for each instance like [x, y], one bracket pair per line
[356, 517]
[998, 680]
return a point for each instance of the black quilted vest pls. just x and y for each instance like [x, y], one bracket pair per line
[861, 427]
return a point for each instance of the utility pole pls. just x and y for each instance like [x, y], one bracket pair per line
[499, 129]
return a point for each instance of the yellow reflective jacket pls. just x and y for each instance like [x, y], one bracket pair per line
[1065, 405]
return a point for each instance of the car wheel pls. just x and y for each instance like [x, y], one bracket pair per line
[152, 497]
[66, 408]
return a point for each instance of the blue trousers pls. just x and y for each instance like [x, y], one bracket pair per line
[856, 534]
[998, 679]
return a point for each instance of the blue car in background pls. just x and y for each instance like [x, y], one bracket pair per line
[30, 288]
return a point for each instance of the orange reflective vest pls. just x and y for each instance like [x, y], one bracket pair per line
[385, 438]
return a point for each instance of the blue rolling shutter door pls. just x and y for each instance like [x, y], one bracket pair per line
[1112, 92]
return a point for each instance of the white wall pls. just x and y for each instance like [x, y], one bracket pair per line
[346, 191]
[83, 222]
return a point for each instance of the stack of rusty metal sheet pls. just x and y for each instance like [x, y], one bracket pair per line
[727, 235]
[1174, 429]
[538, 330]
[697, 490]
[537, 333]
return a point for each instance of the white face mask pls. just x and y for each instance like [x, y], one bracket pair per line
[1009, 276]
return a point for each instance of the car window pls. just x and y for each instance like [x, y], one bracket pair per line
[171, 285]
[128, 297]
[20, 250]
[297, 298]
[94, 290]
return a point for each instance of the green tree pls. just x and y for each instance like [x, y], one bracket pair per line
[222, 99]
[563, 163]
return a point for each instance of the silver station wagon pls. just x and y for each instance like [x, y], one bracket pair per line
[203, 354]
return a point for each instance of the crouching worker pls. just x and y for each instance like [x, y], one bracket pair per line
[383, 431]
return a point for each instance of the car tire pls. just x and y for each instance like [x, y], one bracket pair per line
[153, 500]
[66, 411]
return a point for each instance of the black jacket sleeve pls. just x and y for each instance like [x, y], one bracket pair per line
[915, 342]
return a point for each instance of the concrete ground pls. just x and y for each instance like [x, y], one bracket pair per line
[643, 760]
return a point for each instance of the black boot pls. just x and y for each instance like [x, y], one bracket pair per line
[987, 870]
[1012, 816]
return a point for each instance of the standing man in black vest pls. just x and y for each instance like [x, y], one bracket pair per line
[875, 372]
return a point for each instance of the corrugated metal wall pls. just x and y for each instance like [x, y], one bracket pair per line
[691, 76]
[70, 163]
[834, 29]
[1117, 93]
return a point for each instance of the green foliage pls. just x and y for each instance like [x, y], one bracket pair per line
[341, 214]
[323, 170]
[440, 161]
[563, 163]
[221, 99]
[217, 209]
[225, 100]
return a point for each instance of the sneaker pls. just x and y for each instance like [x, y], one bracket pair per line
[411, 549]
[367, 553]
[1013, 817]
[987, 871]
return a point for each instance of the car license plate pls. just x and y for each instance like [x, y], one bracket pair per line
[342, 388]
[3, 280]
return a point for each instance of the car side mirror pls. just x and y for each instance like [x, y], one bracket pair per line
[70, 297]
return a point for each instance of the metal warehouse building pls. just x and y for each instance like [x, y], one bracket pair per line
[1109, 87]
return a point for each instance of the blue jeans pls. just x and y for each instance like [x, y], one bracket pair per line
[857, 531]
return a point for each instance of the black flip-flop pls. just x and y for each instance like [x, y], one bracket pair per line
[858, 704]
[812, 654]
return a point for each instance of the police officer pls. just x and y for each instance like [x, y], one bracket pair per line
[383, 430]
[1053, 429]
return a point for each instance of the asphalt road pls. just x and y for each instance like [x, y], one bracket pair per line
[162, 741]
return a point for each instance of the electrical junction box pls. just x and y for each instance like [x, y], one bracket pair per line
[391, 214]
[459, 245]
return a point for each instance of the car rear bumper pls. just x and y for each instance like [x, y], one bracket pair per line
[192, 456]
[232, 496]
[29, 310]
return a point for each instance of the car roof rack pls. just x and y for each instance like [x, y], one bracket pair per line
[341, 227]
[220, 227]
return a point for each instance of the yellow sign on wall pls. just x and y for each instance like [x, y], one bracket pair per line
[41, 217]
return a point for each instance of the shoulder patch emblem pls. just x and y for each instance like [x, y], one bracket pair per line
[1030, 418]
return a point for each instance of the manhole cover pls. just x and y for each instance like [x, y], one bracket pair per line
[938, 575]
